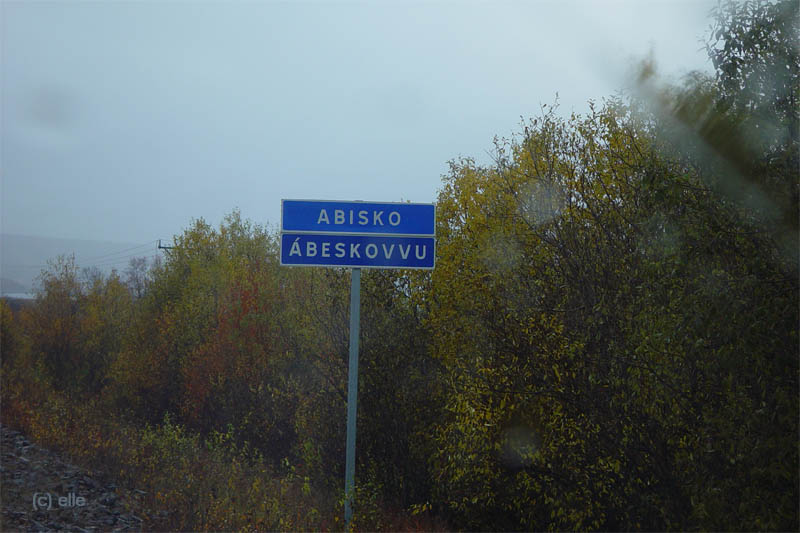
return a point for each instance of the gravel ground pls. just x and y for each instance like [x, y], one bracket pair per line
[39, 491]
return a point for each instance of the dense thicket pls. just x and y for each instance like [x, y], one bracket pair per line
[609, 339]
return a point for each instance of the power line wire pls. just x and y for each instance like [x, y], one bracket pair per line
[119, 260]
[111, 254]
[97, 261]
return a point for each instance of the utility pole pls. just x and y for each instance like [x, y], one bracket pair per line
[164, 247]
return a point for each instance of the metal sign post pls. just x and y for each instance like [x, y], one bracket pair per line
[356, 235]
[352, 395]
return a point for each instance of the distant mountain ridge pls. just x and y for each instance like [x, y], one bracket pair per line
[9, 286]
[23, 257]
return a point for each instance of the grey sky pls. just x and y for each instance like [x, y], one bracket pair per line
[124, 121]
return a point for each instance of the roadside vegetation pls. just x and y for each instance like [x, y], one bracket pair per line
[609, 339]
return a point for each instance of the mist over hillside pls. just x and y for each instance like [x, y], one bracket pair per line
[9, 286]
[23, 257]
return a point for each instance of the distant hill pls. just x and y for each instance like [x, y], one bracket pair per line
[10, 286]
[23, 257]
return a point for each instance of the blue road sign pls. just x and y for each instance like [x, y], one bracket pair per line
[357, 251]
[357, 218]
[356, 235]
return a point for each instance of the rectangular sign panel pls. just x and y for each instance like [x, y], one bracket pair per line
[323, 216]
[357, 251]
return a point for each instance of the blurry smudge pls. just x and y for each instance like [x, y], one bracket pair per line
[48, 117]
[661, 237]
[540, 203]
[51, 108]
[520, 444]
[724, 147]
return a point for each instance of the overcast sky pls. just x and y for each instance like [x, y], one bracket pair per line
[125, 121]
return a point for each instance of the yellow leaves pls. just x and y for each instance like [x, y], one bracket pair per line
[418, 508]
